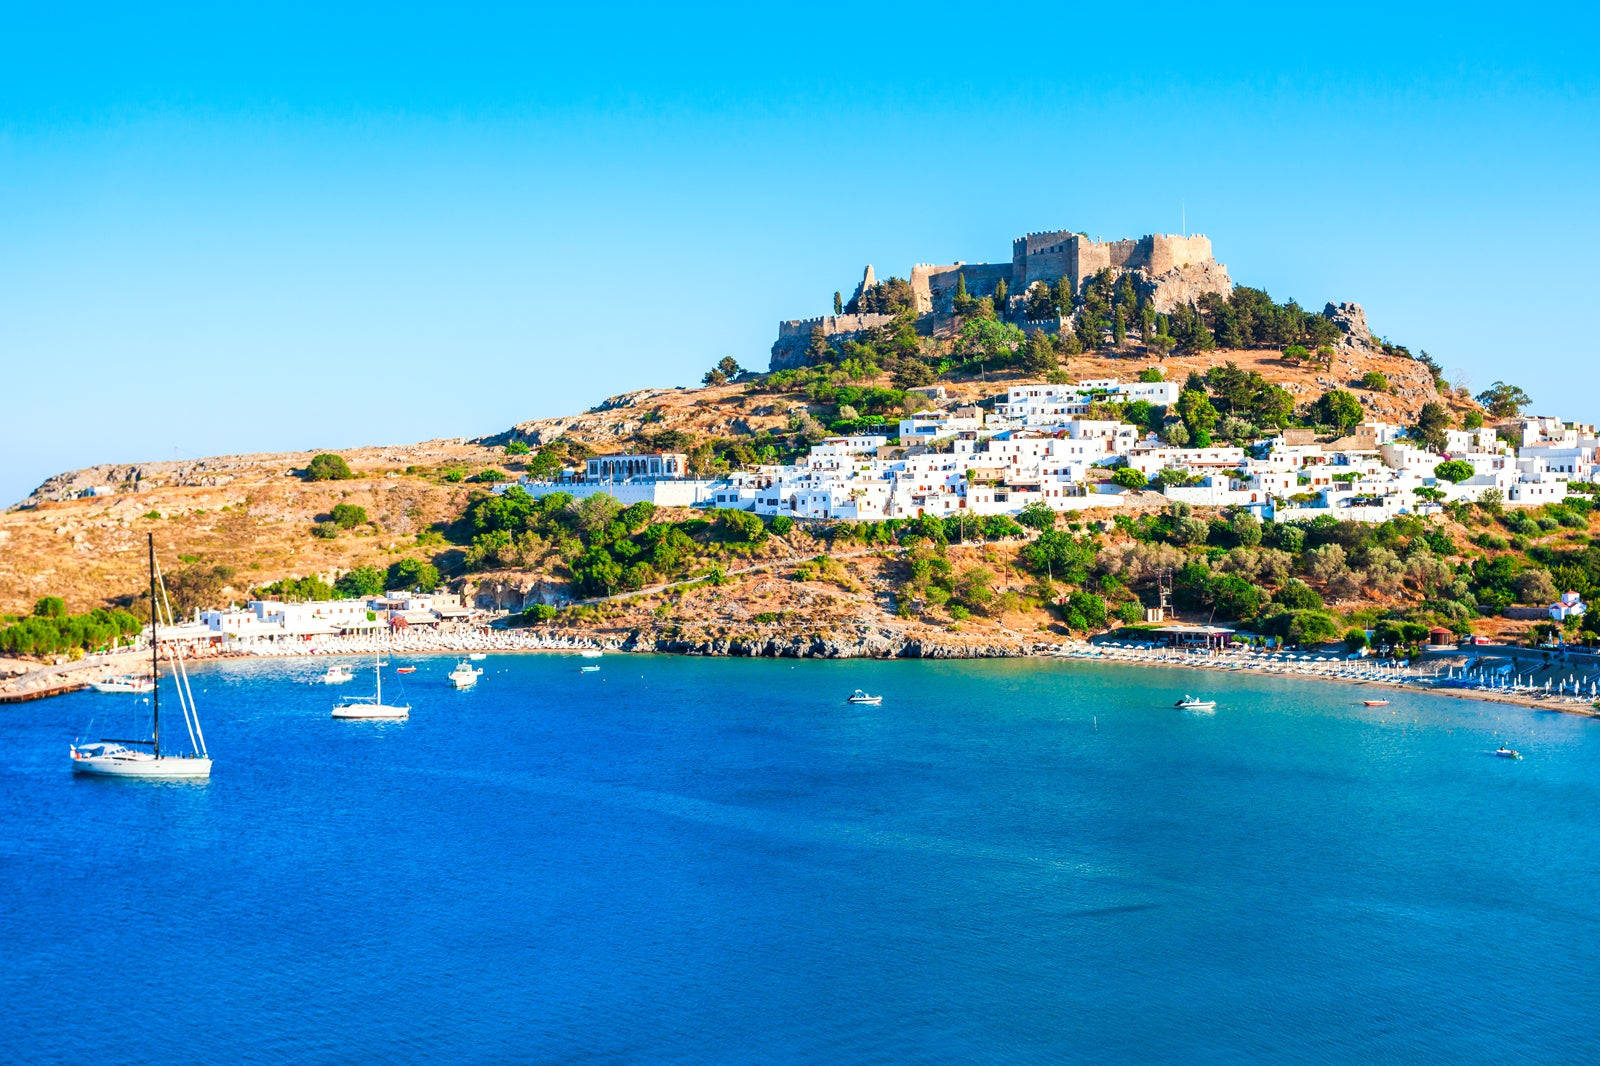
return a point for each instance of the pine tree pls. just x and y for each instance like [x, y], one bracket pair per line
[1064, 296]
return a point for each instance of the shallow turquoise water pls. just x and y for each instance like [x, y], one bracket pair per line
[686, 860]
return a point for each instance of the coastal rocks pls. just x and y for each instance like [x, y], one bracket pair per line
[873, 646]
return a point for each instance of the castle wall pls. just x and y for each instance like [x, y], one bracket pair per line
[1168, 252]
[934, 287]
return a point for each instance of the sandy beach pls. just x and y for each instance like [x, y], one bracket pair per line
[33, 680]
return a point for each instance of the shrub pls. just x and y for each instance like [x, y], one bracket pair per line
[325, 530]
[1374, 380]
[348, 515]
[412, 574]
[327, 467]
[1454, 471]
[50, 607]
[1355, 640]
[782, 525]
[1129, 478]
[1296, 595]
[518, 447]
[740, 527]
[538, 612]
[362, 581]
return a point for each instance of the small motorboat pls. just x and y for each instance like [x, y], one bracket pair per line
[588, 669]
[1194, 703]
[591, 653]
[405, 669]
[338, 675]
[1375, 703]
[465, 675]
[123, 684]
[862, 698]
[1508, 753]
[478, 656]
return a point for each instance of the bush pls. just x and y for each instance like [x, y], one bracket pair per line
[538, 612]
[327, 467]
[412, 574]
[50, 607]
[1131, 613]
[1129, 478]
[1355, 640]
[518, 447]
[740, 527]
[1296, 595]
[1038, 515]
[1454, 471]
[362, 581]
[1374, 380]
[348, 515]
[782, 525]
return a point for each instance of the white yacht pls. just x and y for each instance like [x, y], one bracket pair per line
[1194, 703]
[371, 706]
[858, 696]
[591, 653]
[465, 675]
[478, 656]
[123, 684]
[113, 757]
[338, 674]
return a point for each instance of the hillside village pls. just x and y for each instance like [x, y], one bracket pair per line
[982, 453]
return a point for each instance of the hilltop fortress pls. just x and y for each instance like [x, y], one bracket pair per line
[1170, 270]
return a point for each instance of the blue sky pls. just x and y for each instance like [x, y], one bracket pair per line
[285, 227]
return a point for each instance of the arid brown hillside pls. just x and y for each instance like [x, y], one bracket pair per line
[253, 513]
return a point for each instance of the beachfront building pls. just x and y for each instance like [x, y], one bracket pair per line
[1570, 605]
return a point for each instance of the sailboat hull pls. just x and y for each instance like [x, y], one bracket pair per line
[142, 764]
[370, 710]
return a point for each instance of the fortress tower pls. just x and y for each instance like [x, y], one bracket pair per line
[1171, 270]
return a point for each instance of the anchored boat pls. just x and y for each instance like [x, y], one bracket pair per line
[858, 696]
[113, 757]
[371, 707]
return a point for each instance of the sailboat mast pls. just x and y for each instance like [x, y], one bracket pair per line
[377, 672]
[155, 661]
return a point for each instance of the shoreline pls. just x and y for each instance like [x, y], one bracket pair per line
[47, 680]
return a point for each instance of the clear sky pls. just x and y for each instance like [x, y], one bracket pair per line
[278, 227]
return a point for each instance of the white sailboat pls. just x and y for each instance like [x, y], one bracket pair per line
[112, 757]
[465, 675]
[371, 706]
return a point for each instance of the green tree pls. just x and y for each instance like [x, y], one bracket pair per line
[518, 447]
[1296, 595]
[1355, 640]
[730, 367]
[912, 373]
[1039, 354]
[1246, 528]
[50, 607]
[327, 467]
[1339, 409]
[1151, 374]
[1503, 401]
[1198, 415]
[962, 303]
[1432, 421]
[1295, 353]
[360, 582]
[1037, 515]
[1129, 478]
[1375, 380]
[412, 574]
[1472, 420]
[838, 303]
[1454, 471]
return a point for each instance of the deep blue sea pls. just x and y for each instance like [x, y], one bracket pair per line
[717, 861]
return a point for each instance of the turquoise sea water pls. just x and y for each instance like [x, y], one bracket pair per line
[686, 861]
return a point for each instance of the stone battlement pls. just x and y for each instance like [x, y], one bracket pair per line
[1170, 269]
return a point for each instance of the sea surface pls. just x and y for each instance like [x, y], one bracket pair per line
[679, 860]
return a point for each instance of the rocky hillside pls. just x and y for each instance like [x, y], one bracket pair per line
[254, 514]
